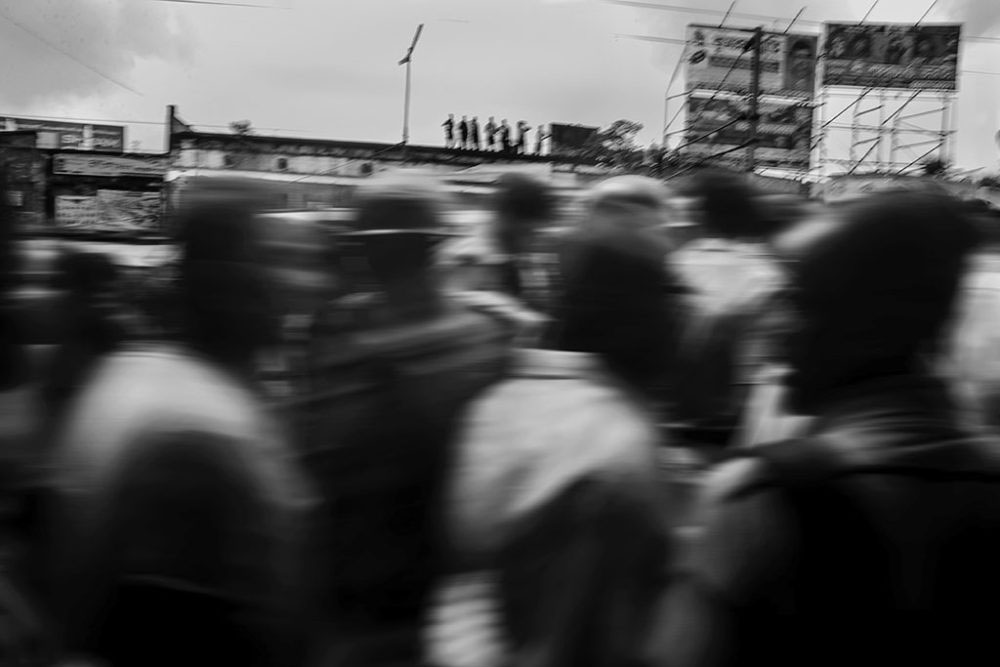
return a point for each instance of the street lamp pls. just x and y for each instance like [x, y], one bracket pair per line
[406, 104]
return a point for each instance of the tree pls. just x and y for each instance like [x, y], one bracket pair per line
[615, 146]
[935, 167]
[241, 127]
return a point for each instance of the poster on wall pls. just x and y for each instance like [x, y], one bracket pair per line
[784, 131]
[892, 55]
[126, 209]
[720, 59]
[76, 212]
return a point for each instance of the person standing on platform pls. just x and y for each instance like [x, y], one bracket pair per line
[449, 131]
[540, 138]
[474, 133]
[463, 134]
[505, 137]
[490, 131]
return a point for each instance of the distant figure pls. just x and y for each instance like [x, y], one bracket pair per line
[463, 134]
[449, 131]
[540, 138]
[522, 137]
[505, 145]
[474, 133]
[490, 131]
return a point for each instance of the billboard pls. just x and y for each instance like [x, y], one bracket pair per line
[110, 210]
[76, 136]
[76, 212]
[891, 55]
[109, 165]
[569, 139]
[130, 210]
[719, 59]
[784, 130]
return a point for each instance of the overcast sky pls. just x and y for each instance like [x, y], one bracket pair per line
[328, 68]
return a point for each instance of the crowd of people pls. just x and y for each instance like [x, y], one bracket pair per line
[469, 472]
[493, 137]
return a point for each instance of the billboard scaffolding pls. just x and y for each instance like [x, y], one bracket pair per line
[887, 98]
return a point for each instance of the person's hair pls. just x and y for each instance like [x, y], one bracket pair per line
[520, 197]
[614, 301]
[729, 206]
[875, 294]
[85, 272]
[223, 293]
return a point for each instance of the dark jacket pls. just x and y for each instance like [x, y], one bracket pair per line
[887, 556]
[377, 427]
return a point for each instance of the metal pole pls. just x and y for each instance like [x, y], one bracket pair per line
[406, 107]
[758, 34]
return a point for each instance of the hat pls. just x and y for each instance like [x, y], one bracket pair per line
[401, 204]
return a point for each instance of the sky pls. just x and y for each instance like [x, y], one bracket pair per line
[329, 68]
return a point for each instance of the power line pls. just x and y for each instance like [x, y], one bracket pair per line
[66, 53]
[220, 4]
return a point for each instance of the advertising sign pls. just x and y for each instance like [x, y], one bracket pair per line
[76, 136]
[720, 59]
[125, 209]
[569, 139]
[784, 130]
[72, 211]
[891, 55]
[108, 165]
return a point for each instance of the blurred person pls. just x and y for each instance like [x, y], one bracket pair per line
[174, 526]
[474, 133]
[731, 276]
[489, 134]
[463, 134]
[92, 324]
[449, 131]
[505, 143]
[540, 137]
[498, 257]
[521, 147]
[874, 538]
[25, 632]
[392, 370]
[558, 540]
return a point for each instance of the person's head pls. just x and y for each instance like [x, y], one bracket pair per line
[925, 47]
[225, 297]
[838, 44]
[451, 116]
[861, 46]
[638, 204]
[614, 302]
[874, 293]
[728, 205]
[399, 221]
[523, 204]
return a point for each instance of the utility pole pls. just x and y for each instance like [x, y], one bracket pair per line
[755, 44]
[406, 101]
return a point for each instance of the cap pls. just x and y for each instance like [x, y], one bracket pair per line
[401, 204]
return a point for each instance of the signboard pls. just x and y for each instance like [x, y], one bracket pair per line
[569, 139]
[891, 55]
[109, 165]
[784, 130]
[125, 209]
[76, 136]
[720, 59]
[72, 211]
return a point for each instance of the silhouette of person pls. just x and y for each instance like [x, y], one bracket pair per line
[449, 131]
[463, 133]
[474, 133]
[490, 131]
